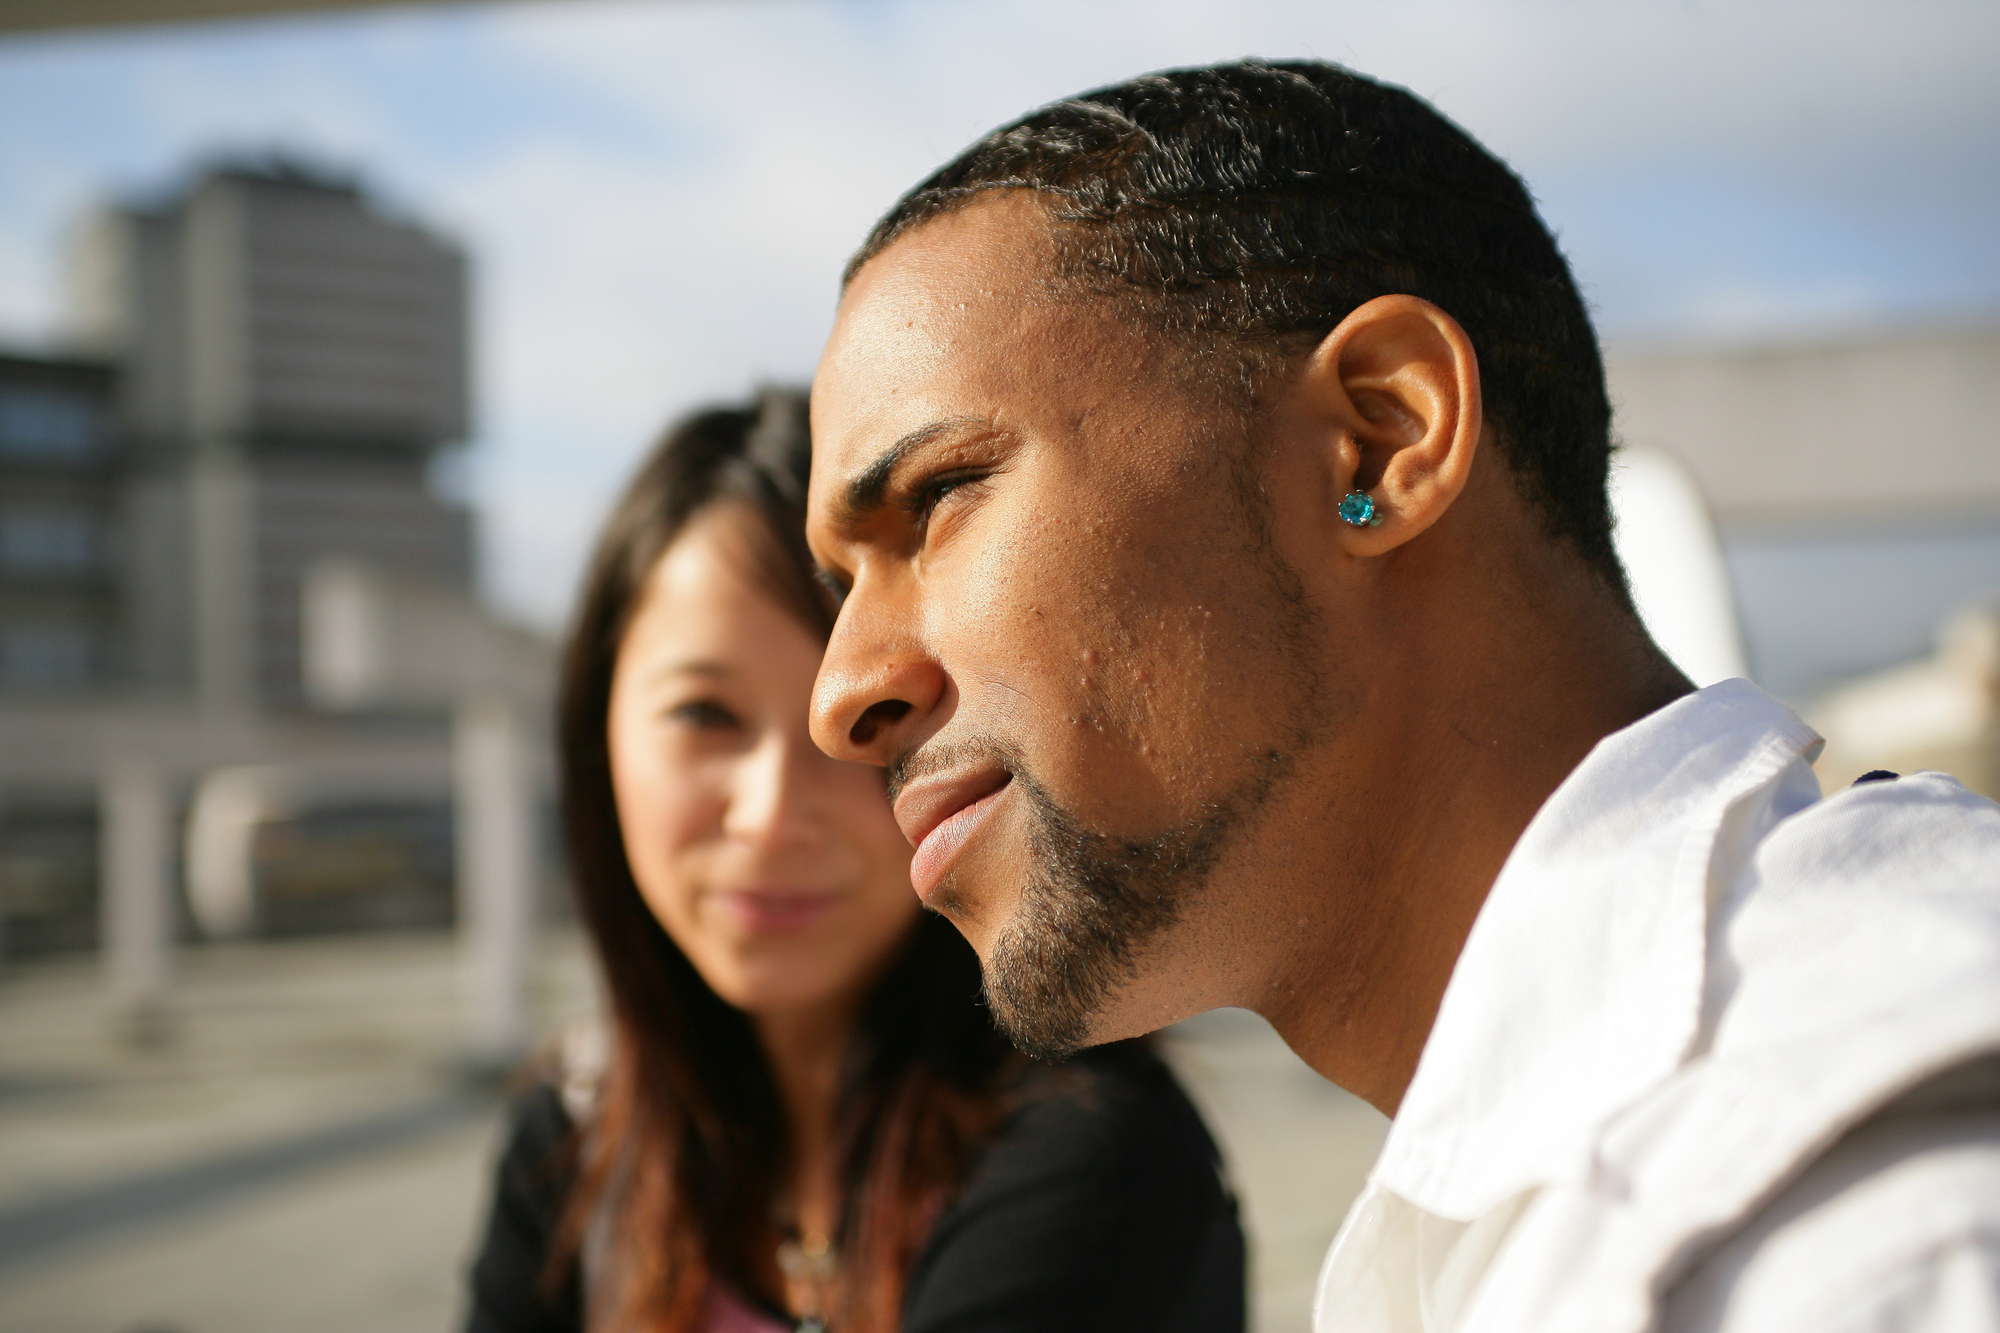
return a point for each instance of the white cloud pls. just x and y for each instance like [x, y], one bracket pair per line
[659, 195]
[294, 103]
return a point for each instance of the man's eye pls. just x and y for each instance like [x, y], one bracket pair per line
[704, 715]
[835, 586]
[928, 493]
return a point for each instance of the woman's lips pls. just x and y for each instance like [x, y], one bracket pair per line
[775, 911]
[939, 816]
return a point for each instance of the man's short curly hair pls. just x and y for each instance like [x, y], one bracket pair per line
[1261, 203]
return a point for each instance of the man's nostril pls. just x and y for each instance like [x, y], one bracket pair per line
[870, 723]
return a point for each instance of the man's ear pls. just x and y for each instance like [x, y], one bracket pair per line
[1398, 385]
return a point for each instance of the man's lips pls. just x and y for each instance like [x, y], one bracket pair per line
[938, 814]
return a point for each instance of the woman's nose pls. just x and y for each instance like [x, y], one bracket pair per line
[772, 798]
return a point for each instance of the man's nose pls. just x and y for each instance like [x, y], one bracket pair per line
[871, 702]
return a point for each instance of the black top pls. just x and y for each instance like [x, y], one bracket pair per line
[1099, 1207]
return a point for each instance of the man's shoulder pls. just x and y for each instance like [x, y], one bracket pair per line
[1856, 955]
[1900, 834]
[1854, 958]
[1896, 1226]
[1880, 904]
[1771, 1222]
[1855, 964]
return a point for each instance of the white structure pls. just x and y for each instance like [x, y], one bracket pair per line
[1865, 429]
[233, 803]
[493, 779]
[374, 636]
[1855, 482]
[1942, 713]
[1679, 582]
[375, 639]
[138, 909]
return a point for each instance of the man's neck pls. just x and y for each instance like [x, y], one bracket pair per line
[1451, 771]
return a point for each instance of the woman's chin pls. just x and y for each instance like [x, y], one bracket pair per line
[779, 997]
[792, 955]
[769, 977]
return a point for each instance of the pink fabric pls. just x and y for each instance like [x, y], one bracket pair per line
[727, 1313]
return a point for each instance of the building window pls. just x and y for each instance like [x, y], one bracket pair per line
[48, 655]
[50, 424]
[48, 541]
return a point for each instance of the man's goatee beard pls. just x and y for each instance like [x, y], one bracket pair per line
[1090, 906]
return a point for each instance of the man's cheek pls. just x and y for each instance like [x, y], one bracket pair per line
[1017, 687]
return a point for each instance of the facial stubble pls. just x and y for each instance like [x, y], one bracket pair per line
[1089, 907]
[1092, 903]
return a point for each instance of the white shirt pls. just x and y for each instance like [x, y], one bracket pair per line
[1713, 1059]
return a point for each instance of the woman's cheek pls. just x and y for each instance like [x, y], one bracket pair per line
[662, 826]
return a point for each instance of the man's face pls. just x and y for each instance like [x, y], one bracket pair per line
[1067, 632]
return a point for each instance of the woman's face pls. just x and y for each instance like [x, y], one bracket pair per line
[778, 871]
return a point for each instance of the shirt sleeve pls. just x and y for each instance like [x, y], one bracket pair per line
[1896, 1229]
[1099, 1207]
[508, 1290]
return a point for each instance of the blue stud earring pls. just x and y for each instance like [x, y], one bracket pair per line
[1358, 509]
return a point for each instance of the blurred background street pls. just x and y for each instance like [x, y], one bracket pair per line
[301, 1149]
[326, 337]
[304, 1148]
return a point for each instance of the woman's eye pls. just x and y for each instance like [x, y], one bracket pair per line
[703, 715]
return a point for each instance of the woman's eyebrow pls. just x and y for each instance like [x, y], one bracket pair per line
[710, 667]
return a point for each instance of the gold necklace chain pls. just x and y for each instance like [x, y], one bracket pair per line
[809, 1264]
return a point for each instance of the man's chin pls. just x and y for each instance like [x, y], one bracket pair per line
[951, 901]
[1040, 1018]
[1059, 934]
[1053, 1035]
[1032, 1034]
[1044, 1002]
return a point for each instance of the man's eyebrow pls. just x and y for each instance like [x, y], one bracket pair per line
[865, 492]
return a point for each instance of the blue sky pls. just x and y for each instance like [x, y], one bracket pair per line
[658, 196]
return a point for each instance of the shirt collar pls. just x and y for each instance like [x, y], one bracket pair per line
[1580, 985]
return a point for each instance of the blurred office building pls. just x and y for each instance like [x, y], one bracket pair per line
[1854, 485]
[290, 364]
[269, 374]
[58, 598]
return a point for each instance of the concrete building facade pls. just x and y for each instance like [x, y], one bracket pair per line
[292, 363]
[61, 626]
[1855, 482]
[267, 368]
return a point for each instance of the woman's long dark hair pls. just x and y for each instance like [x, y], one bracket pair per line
[690, 1146]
